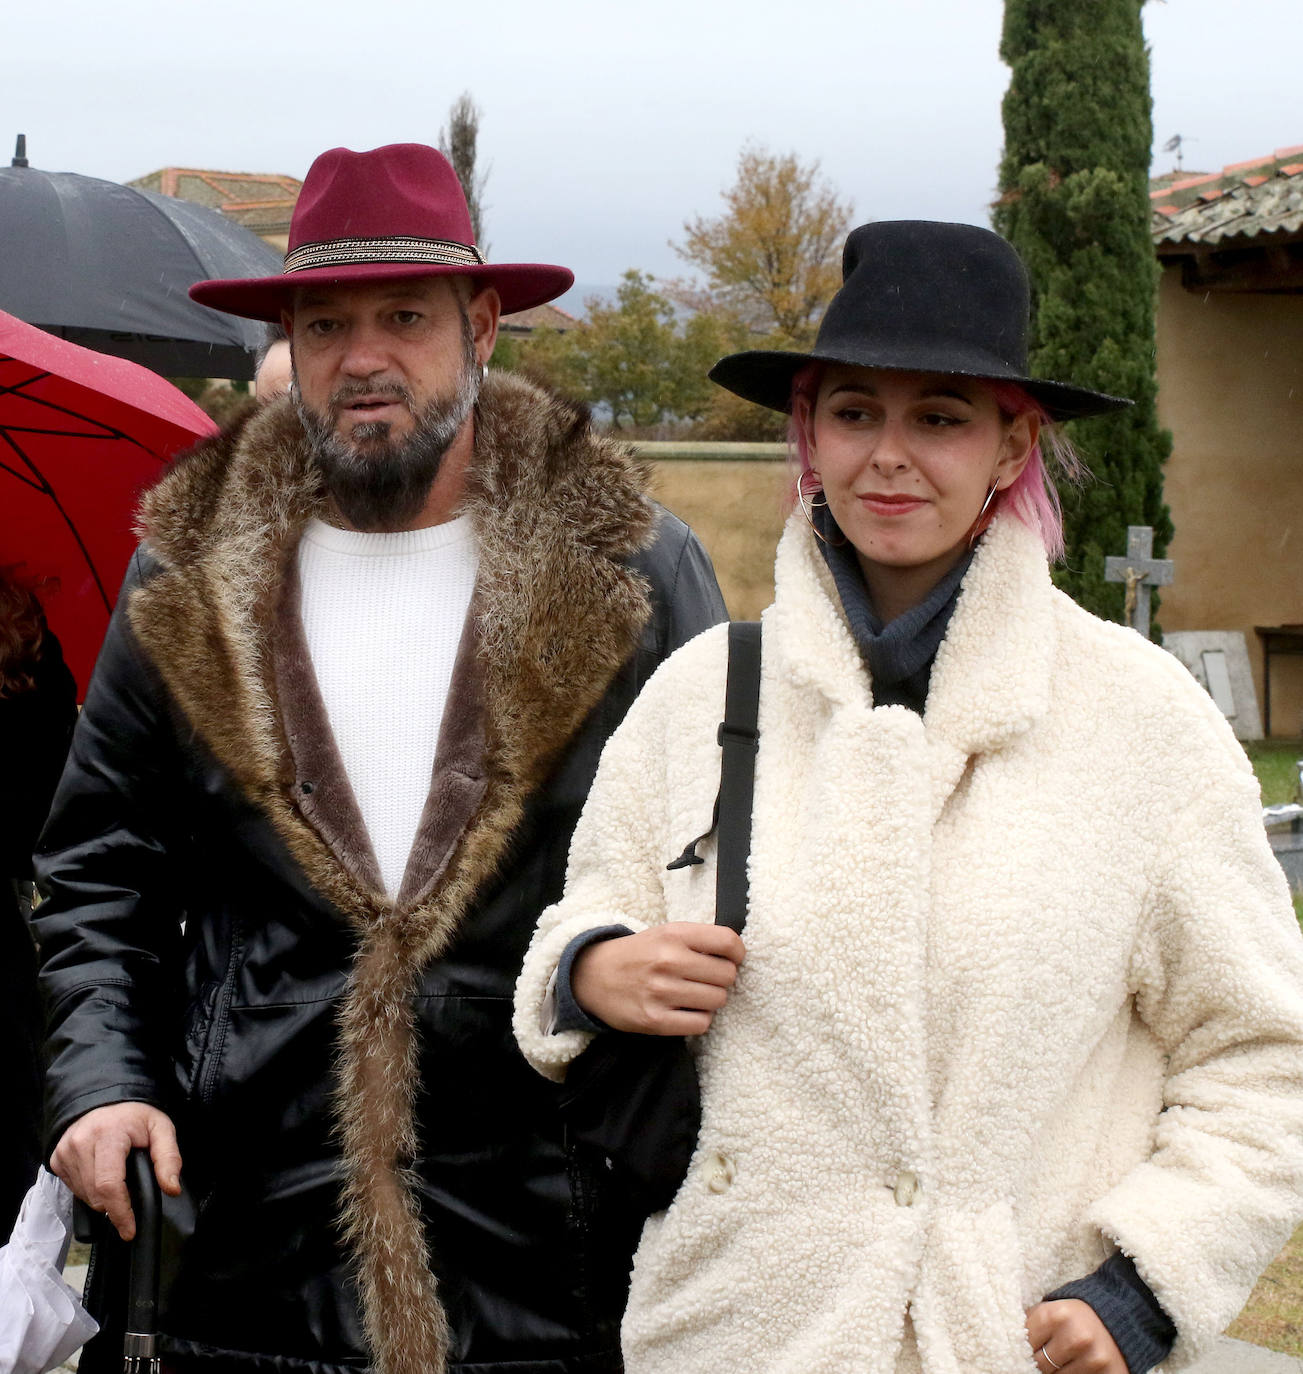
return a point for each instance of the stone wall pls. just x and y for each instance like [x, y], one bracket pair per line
[732, 496]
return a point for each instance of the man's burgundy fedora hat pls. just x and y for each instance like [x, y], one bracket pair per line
[919, 296]
[397, 211]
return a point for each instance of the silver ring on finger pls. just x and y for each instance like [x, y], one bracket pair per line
[1046, 1355]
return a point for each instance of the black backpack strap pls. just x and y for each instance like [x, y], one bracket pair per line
[739, 738]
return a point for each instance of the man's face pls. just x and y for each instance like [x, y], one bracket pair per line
[369, 358]
[386, 377]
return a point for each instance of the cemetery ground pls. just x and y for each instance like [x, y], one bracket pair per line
[1275, 762]
[1273, 1316]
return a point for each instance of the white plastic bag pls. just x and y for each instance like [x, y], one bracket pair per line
[42, 1320]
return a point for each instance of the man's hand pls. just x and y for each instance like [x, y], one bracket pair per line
[92, 1157]
[670, 980]
[1068, 1335]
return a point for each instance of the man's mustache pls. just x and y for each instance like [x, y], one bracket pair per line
[382, 391]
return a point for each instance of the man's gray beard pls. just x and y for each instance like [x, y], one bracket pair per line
[384, 486]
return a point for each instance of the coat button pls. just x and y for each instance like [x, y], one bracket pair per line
[907, 1188]
[719, 1178]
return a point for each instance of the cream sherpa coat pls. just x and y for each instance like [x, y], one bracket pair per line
[1023, 985]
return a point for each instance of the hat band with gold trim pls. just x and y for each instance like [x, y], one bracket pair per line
[342, 252]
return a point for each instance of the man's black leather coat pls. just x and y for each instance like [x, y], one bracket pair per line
[189, 962]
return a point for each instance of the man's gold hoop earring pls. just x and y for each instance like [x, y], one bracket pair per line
[808, 510]
[979, 528]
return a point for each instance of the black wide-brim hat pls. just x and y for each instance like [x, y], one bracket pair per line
[384, 215]
[919, 296]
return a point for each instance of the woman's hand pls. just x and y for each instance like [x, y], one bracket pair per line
[670, 980]
[1068, 1335]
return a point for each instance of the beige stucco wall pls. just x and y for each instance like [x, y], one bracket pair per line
[1230, 375]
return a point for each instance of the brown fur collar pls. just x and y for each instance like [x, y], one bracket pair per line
[556, 509]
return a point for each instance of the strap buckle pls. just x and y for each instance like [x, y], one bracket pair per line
[739, 735]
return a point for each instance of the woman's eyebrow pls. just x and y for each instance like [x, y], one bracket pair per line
[926, 394]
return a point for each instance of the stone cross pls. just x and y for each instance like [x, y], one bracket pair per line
[1140, 571]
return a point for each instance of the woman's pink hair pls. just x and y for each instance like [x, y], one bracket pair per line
[1032, 498]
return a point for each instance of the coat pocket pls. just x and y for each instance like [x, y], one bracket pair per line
[193, 1049]
[968, 1311]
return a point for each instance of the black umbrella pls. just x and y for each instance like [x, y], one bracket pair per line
[108, 266]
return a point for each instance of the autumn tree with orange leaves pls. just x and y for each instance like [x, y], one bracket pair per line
[773, 259]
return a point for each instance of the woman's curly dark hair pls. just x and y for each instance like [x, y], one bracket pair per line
[22, 630]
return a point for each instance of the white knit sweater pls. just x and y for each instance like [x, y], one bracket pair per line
[1023, 985]
[383, 615]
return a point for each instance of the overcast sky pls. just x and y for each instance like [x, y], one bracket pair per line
[605, 124]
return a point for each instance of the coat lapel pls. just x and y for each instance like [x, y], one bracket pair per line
[992, 676]
[459, 777]
[991, 679]
[321, 789]
[224, 524]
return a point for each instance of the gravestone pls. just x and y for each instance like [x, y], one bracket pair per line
[1140, 571]
[1219, 660]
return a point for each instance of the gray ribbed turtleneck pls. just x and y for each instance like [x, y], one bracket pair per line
[900, 653]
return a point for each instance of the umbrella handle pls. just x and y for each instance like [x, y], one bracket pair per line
[138, 1347]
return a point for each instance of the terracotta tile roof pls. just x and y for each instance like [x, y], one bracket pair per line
[1244, 201]
[269, 217]
[261, 201]
[539, 317]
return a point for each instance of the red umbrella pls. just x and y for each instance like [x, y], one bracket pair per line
[82, 435]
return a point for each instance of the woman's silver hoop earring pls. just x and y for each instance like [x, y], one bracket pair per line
[484, 371]
[978, 527]
[808, 511]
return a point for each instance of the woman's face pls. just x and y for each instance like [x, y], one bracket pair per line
[907, 459]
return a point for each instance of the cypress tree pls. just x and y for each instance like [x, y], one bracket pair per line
[1074, 201]
[458, 143]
